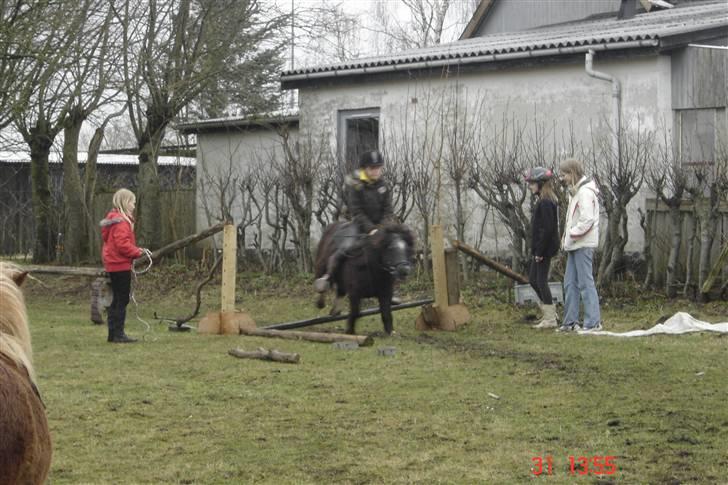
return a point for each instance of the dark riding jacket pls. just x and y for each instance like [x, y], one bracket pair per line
[545, 229]
[369, 202]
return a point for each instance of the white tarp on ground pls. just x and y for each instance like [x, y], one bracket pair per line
[677, 324]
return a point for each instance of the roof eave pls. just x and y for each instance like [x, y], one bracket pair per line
[297, 80]
[234, 125]
[479, 16]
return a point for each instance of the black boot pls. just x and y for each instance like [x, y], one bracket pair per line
[119, 336]
[111, 323]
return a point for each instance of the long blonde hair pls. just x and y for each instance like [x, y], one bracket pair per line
[122, 200]
[547, 191]
[14, 329]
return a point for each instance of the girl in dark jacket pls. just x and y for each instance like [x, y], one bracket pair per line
[118, 254]
[544, 240]
[369, 204]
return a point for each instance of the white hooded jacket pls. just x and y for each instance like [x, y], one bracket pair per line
[582, 218]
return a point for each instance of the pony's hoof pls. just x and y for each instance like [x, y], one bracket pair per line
[320, 304]
[335, 312]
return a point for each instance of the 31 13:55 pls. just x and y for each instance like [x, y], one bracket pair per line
[578, 465]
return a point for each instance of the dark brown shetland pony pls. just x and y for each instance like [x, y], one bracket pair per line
[25, 443]
[370, 270]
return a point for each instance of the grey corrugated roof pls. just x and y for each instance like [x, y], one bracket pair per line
[277, 118]
[642, 30]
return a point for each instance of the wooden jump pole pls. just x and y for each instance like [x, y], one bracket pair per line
[229, 268]
[481, 258]
[335, 318]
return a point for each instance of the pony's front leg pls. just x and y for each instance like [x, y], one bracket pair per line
[354, 309]
[385, 307]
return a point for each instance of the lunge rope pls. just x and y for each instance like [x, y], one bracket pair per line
[146, 254]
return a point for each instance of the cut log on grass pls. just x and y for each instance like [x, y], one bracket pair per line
[362, 340]
[264, 354]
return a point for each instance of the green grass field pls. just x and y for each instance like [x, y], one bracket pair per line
[176, 408]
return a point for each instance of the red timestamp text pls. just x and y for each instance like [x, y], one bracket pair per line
[578, 465]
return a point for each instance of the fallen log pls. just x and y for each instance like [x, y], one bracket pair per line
[362, 340]
[335, 318]
[264, 354]
[494, 265]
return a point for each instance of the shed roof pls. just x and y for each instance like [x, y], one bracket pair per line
[659, 30]
[286, 117]
[103, 159]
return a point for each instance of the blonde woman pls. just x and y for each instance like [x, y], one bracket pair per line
[118, 254]
[544, 240]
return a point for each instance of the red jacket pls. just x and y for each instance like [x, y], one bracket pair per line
[120, 247]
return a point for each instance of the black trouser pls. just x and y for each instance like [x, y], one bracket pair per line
[121, 288]
[346, 238]
[538, 276]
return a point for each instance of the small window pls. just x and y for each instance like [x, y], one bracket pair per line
[358, 133]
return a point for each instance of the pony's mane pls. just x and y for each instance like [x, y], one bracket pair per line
[388, 230]
[14, 330]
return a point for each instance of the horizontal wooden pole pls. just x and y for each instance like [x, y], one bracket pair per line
[494, 265]
[362, 340]
[186, 241]
[335, 318]
[65, 270]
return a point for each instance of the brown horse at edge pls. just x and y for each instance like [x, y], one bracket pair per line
[25, 442]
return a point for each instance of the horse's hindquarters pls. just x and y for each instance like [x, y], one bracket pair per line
[25, 444]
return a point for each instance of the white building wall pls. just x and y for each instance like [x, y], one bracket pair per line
[226, 159]
[556, 96]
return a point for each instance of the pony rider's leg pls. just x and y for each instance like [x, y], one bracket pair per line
[322, 284]
[354, 308]
[385, 306]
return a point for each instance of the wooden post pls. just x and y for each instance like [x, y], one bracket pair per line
[439, 273]
[452, 268]
[229, 267]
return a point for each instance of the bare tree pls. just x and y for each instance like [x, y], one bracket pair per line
[173, 51]
[497, 178]
[46, 93]
[619, 177]
[667, 178]
[91, 65]
[299, 172]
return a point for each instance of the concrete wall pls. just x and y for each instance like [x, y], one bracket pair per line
[555, 96]
[229, 157]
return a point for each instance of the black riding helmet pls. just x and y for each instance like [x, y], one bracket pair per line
[539, 175]
[371, 159]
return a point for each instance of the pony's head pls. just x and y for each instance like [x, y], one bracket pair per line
[396, 243]
[14, 331]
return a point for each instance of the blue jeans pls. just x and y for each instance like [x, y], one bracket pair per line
[579, 285]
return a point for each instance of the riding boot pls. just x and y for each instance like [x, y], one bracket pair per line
[322, 284]
[549, 317]
[119, 336]
[111, 321]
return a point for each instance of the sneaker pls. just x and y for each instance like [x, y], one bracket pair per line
[569, 327]
[596, 328]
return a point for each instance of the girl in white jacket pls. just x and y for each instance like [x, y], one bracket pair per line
[581, 238]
